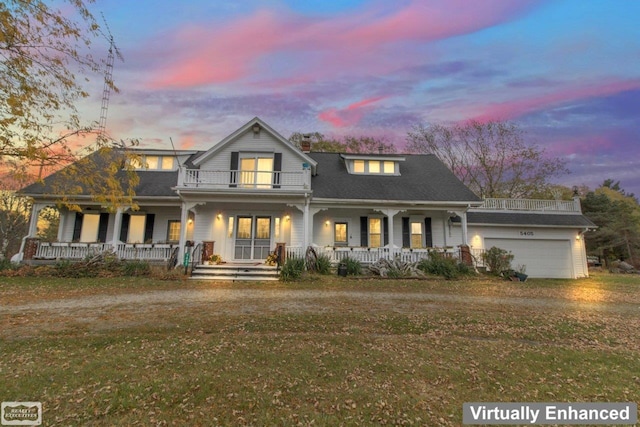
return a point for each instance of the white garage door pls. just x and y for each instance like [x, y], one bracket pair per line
[543, 258]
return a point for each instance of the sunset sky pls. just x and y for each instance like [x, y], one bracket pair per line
[566, 71]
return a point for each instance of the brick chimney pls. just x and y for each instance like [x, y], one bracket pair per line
[305, 145]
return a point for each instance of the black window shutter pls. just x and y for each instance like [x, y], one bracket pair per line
[406, 233]
[277, 167]
[427, 232]
[77, 227]
[364, 231]
[148, 227]
[385, 230]
[233, 180]
[102, 227]
[124, 230]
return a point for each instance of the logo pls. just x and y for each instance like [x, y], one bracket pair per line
[21, 414]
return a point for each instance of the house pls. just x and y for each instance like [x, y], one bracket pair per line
[255, 190]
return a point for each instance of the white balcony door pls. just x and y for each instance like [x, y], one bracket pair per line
[256, 172]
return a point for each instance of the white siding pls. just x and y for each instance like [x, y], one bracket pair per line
[249, 142]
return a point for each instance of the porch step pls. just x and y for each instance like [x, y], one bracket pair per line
[235, 272]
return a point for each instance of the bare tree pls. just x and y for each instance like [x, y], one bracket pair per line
[493, 159]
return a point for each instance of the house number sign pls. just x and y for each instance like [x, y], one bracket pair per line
[527, 233]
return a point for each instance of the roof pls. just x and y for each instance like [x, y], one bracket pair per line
[532, 218]
[422, 178]
[151, 184]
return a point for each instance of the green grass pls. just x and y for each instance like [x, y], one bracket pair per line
[347, 362]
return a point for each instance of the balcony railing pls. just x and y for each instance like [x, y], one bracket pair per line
[235, 179]
[531, 205]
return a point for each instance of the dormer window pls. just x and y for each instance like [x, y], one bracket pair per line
[153, 162]
[363, 164]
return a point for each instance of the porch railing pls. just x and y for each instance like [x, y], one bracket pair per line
[371, 255]
[242, 180]
[531, 205]
[76, 251]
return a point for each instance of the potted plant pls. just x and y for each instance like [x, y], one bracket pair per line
[215, 259]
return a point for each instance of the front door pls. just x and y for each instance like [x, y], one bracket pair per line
[253, 237]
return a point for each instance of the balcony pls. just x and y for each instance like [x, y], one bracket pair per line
[245, 180]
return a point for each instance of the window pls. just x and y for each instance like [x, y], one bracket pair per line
[90, 224]
[375, 232]
[152, 162]
[373, 167]
[173, 231]
[230, 227]
[340, 234]
[244, 228]
[136, 228]
[416, 234]
[389, 167]
[277, 229]
[263, 228]
[167, 163]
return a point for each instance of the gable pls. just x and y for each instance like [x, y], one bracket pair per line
[246, 140]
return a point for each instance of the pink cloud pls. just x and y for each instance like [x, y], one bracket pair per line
[362, 42]
[516, 108]
[348, 116]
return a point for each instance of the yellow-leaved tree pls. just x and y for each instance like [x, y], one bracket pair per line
[45, 66]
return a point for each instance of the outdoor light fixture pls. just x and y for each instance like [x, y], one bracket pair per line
[190, 221]
[287, 217]
[219, 216]
[256, 128]
[327, 223]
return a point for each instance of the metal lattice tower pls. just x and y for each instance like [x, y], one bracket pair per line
[106, 92]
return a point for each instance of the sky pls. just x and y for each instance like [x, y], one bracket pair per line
[567, 72]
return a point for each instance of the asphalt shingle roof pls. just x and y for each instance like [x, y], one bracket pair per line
[513, 218]
[422, 178]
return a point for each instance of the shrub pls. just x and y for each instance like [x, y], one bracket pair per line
[440, 265]
[354, 268]
[323, 264]
[292, 269]
[136, 268]
[6, 264]
[497, 260]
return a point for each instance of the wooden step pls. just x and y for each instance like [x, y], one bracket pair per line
[236, 272]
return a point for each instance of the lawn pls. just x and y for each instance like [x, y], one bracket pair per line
[324, 351]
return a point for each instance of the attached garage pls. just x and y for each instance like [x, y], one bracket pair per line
[548, 244]
[542, 258]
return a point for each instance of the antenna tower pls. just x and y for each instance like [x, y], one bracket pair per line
[108, 82]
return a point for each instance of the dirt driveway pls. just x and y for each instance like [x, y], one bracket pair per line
[161, 307]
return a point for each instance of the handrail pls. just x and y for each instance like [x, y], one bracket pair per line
[196, 257]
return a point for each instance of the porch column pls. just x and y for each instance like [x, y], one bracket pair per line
[308, 226]
[117, 227]
[391, 213]
[33, 221]
[184, 217]
[463, 217]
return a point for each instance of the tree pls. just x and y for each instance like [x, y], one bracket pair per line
[617, 216]
[493, 159]
[45, 63]
[14, 221]
[350, 144]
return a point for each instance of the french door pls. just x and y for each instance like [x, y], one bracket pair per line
[253, 237]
